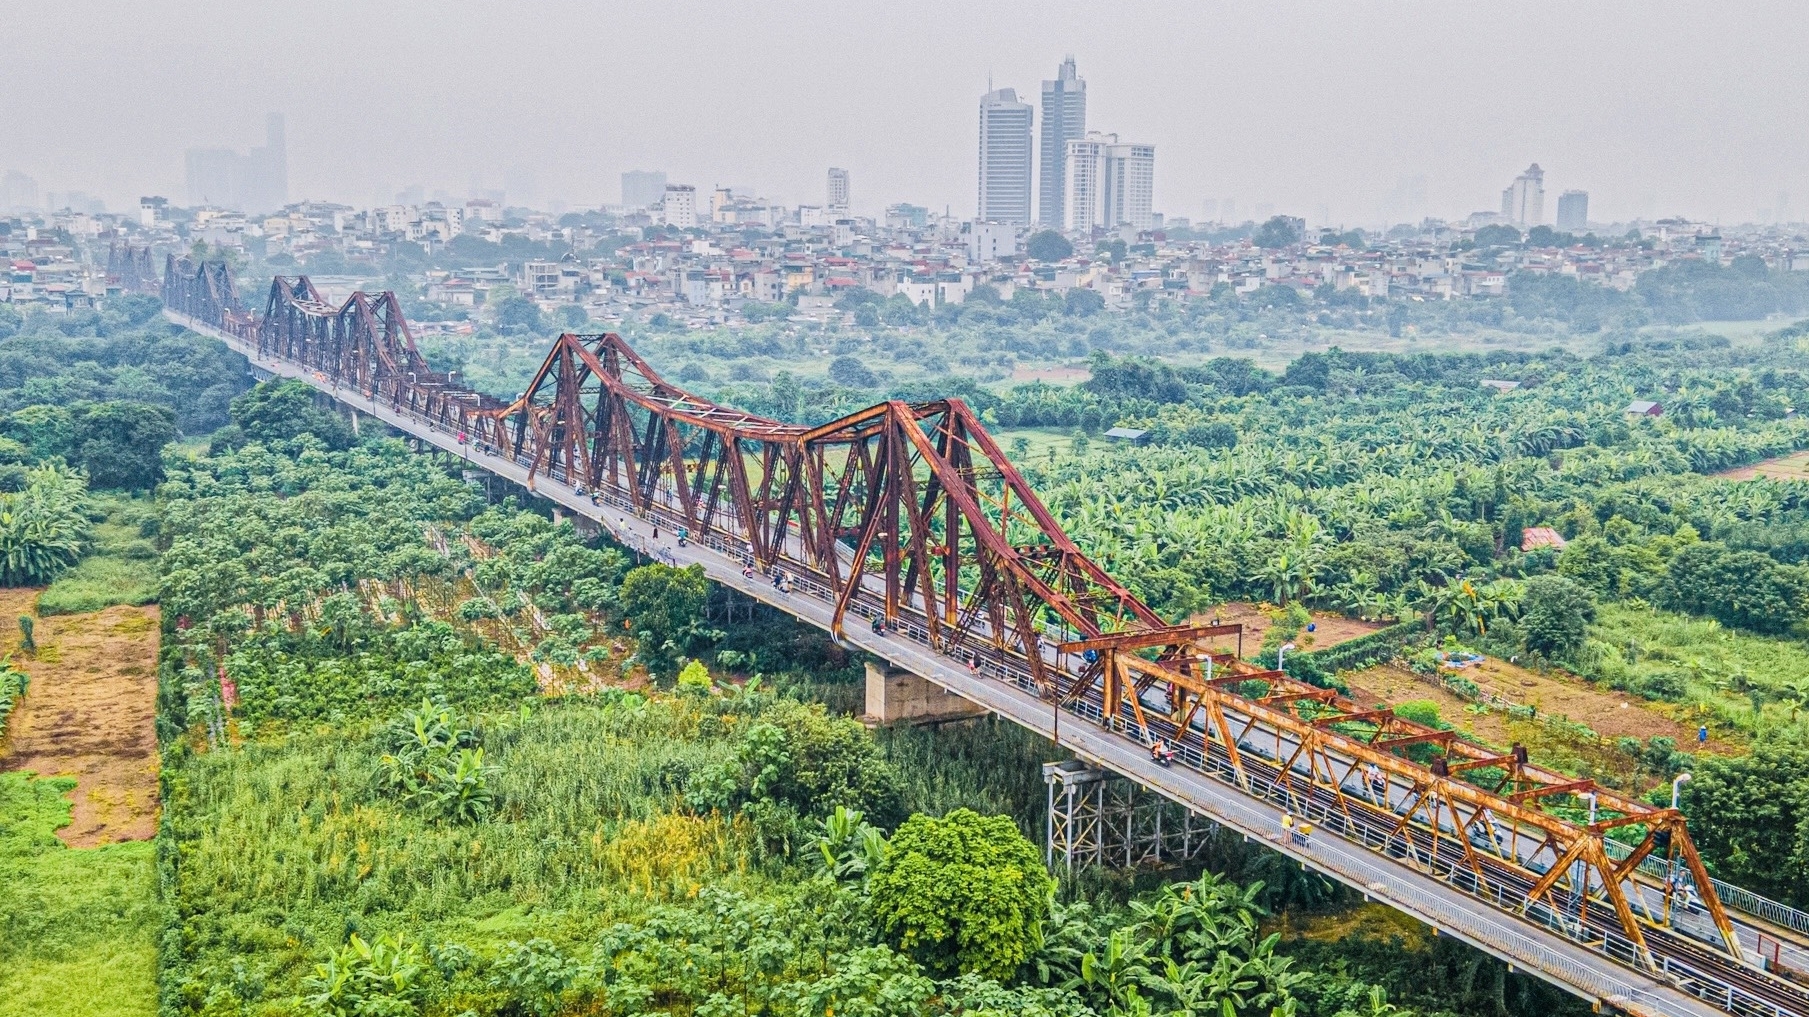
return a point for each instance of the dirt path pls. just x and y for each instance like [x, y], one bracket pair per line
[1329, 629]
[89, 714]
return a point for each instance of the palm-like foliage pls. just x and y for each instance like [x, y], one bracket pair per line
[43, 528]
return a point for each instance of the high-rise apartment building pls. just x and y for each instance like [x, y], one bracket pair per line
[1573, 211]
[18, 191]
[1109, 183]
[1005, 154]
[257, 181]
[838, 189]
[643, 188]
[1064, 120]
[1523, 202]
[678, 206]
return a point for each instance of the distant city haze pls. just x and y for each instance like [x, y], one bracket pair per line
[1340, 113]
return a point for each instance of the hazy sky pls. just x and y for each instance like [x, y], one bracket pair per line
[1655, 109]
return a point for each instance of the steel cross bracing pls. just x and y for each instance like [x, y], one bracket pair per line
[129, 266]
[910, 516]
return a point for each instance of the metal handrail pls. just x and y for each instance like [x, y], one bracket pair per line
[1437, 911]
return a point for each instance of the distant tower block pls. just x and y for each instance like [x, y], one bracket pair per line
[897, 696]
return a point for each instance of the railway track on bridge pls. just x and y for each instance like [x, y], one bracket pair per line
[909, 520]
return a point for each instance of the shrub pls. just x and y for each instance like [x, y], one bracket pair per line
[1420, 711]
[962, 894]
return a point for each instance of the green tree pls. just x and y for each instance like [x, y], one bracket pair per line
[1497, 235]
[572, 317]
[798, 756]
[120, 444]
[1745, 589]
[1278, 232]
[1048, 245]
[518, 315]
[965, 893]
[1749, 817]
[284, 410]
[1082, 303]
[664, 608]
[48, 431]
[849, 371]
[1555, 613]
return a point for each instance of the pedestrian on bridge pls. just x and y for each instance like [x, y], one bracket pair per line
[1378, 784]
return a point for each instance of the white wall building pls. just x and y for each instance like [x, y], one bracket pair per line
[989, 241]
[679, 208]
[838, 189]
[1109, 183]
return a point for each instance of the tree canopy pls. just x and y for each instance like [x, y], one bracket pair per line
[963, 893]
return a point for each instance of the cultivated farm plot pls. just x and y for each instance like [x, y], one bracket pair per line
[89, 714]
[1329, 629]
[1608, 713]
[1791, 467]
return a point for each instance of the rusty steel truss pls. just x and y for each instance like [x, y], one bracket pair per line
[129, 267]
[204, 291]
[910, 515]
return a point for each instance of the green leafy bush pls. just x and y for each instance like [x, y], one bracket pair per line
[962, 894]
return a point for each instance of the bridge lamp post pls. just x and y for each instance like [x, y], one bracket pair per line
[1677, 784]
[1581, 869]
[1281, 655]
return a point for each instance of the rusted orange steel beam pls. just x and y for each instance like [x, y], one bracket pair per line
[912, 512]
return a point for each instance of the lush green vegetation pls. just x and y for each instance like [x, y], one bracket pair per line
[391, 817]
[119, 565]
[78, 929]
[466, 760]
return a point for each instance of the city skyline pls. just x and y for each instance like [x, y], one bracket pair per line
[1627, 123]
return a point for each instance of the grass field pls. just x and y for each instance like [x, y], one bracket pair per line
[77, 927]
[1725, 678]
[120, 568]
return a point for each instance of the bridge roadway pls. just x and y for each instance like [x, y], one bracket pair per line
[1203, 786]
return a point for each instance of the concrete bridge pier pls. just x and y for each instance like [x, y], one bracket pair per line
[895, 696]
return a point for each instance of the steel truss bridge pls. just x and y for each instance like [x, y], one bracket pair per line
[904, 530]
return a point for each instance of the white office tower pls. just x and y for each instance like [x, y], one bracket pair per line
[1005, 151]
[838, 189]
[1109, 184]
[1523, 202]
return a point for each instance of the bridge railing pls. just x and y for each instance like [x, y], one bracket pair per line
[994, 664]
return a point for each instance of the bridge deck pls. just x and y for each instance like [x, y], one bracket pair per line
[1525, 944]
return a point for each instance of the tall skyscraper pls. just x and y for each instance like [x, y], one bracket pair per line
[1523, 202]
[838, 189]
[643, 188]
[1109, 183]
[269, 187]
[18, 191]
[1005, 153]
[257, 181]
[1573, 211]
[1064, 120]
